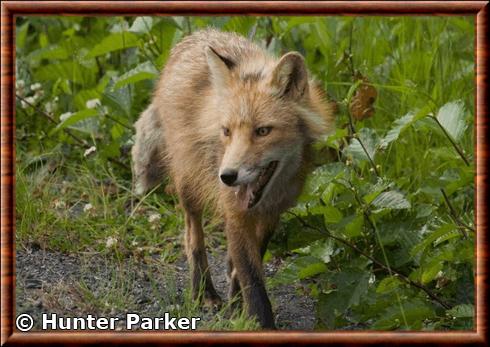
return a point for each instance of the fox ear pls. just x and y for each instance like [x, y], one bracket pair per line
[219, 67]
[290, 77]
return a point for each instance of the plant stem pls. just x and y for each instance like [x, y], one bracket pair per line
[118, 122]
[455, 145]
[376, 261]
[52, 120]
[81, 143]
[454, 215]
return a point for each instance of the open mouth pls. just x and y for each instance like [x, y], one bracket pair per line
[250, 194]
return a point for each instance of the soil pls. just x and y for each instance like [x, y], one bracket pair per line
[53, 282]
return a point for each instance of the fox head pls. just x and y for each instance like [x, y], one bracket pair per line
[268, 112]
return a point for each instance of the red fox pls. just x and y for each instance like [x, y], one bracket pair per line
[233, 127]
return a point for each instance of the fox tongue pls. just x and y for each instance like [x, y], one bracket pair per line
[245, 195]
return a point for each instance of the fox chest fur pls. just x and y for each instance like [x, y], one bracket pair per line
[233, 128]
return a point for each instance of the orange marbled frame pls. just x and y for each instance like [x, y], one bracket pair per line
[9, 9]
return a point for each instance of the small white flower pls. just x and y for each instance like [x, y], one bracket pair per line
[20, 84]
[65, 116]
[93, 103]
[154, 218]
[89, 151]
[440, 274]
[59, 204]
[39, 93]
[49, 107]
[88, 207]
[28, 102]
[173, 307]
[111, 241]
[35, 86]
[372, 279]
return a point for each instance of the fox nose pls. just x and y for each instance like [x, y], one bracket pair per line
[228, 176]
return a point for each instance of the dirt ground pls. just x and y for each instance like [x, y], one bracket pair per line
[52, 282]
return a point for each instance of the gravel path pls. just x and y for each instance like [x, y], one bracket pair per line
[52, 282]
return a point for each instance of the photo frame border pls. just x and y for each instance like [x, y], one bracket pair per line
[11, 9]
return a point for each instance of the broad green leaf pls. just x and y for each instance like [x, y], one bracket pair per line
[50, 52]
[321, 249]
[114, 42]
[354, 227]
[118, 99]
[393, 200]
[142, 25]
[440, 232]
[451, 116]
[430, 272]
[141, 72]
[21, 34]
[312, 270]
[299, 268]
[415, 312]
[240, 24]
[351, 286]
[369, 139]
[462, 311]
[68, 70]
[398, 126]
[388, 284]
[75, 118]
[401, 124]
[332, 214]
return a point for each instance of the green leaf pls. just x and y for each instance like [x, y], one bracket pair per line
[388, 284]
[369, 139]
[114, 42]
[321, 249]
[430, 272]
[401, 124]
[354, 227]
[462, 311]
[142, 25]
[451, 117]
[68, 70]
[332, 215]
[75, 118]
[312, 270]
[393, 200]
[118, 99]
[50, 52]
[351, 286]
[21, 34]
[240, 24]
[415, 312]
[141, 72]
[440, 232]
[299, 268]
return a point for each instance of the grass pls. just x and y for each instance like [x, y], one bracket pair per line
[52, 214]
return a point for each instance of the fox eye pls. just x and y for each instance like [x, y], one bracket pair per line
[226, 131]
[263, 131]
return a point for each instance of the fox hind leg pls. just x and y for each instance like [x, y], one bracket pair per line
[148, 152]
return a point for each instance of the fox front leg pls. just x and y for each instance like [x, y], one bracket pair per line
[198, 262]
[244, 253]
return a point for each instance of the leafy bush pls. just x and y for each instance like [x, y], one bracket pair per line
[383, 235]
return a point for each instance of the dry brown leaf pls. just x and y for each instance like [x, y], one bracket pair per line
[361, 105]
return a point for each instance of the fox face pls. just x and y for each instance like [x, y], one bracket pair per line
[262, 125]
